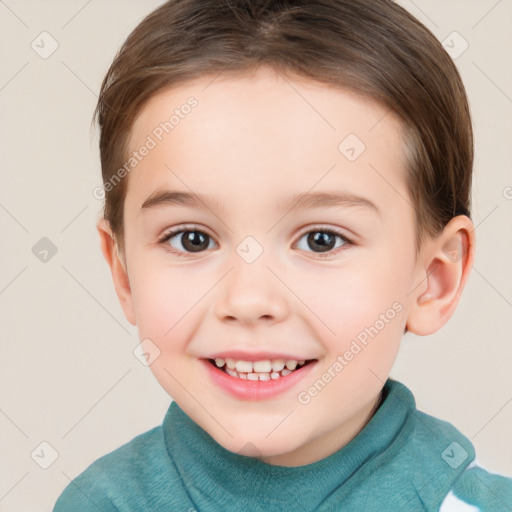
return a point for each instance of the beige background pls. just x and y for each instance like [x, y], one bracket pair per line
[68, 374]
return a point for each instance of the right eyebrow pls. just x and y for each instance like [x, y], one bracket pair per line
[177, 198]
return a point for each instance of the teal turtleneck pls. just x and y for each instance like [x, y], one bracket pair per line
[403, 459]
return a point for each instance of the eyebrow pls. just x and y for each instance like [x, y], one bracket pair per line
[166, 198]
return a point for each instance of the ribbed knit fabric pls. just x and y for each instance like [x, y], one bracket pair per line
[403, 460]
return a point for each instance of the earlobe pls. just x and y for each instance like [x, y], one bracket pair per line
[446, 267]
[118, 269]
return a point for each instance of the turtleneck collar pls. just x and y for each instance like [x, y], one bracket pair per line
[212, 473]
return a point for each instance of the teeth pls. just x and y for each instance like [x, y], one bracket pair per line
[278, 365]
[230, 363]
[262, 366]
[244, 366]
[258, 370]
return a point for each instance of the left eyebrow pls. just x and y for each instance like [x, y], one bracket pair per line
[327, 199]
[309, 200]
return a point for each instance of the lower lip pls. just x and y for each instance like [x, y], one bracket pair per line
[256, 389]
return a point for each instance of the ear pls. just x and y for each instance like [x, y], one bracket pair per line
[446, 262]
[118, 269]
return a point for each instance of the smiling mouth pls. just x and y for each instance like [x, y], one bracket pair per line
[260, 370]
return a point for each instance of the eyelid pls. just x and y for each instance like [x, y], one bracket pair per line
[184, 227]
[336, 231]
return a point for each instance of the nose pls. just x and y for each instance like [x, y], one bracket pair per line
[251, 294]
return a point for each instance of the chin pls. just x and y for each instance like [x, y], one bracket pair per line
[257, 447]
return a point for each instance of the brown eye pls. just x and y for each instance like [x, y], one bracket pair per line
[187, 241]
[323, 241]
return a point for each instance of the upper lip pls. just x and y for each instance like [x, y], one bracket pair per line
[240, 355]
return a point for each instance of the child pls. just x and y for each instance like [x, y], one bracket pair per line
[236, 135]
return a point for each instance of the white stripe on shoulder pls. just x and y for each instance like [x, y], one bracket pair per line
[453, 504]
[474, 464]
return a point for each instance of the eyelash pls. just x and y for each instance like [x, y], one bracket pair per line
[330, 231]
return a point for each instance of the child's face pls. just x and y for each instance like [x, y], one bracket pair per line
[247, 147]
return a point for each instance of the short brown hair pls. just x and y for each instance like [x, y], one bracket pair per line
[373, 47]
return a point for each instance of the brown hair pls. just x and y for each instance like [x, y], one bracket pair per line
[373, 47]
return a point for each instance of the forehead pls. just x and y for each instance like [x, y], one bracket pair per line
[246, 131]
[277, 99]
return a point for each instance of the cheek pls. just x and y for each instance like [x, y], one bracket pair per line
[167, 303]
[345, 300]
[359, 314]
[164, 301]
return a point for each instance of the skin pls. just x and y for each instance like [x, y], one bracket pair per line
[264, 137]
